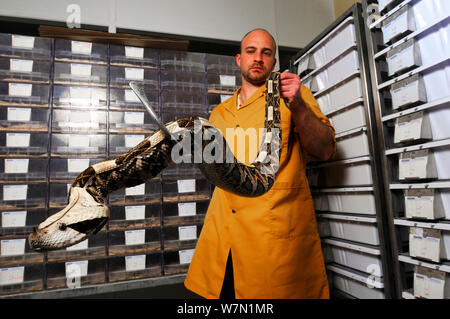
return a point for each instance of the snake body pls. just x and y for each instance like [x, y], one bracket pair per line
[87, 212]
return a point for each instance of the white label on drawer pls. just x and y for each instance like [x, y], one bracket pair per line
[17, 65]
[80, 93]
[130, 96]
[80, 246]
[133, 263]
[15, 192]
[426, 287]
[187, 209]
[186, 256]
[22, 41]
[134, 118]
[14, 218]
[13, 247]
[134, 52]
[186, 185]
[134, 74]
[407, 130]
[228, 80]
[407, 94]
[77, 140]
[76, 268]
[16, 165]
[187, 232]
[136, 190]
[17, 139]
[224, 97]
[413, 167]
[80, 47]
[134, 212]
[10, 276]
[135, 237]
[401, 60]
[133, 140]
[425, 247]
[77, 165]
[16, 114]
[395, 27]
[20, 89]
[421, 207]
[80, 69]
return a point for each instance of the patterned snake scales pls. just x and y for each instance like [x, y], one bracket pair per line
[87, 212]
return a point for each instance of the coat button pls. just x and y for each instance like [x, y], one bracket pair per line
[233, 211]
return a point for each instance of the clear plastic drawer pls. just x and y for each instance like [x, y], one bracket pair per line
[13, 143]
[133, 267]
[32, 194]
[80, 51]
[133, 56]
[134, 241]
[24, 118]
[127, 99]
[181, 237]
[70, 167]
[20, 46]
[146, 193]
[121, 76]
[79, 97]
[184, 212]
[71, 144]
[24, 94]
[75, 120]
[21, 279]
[80, 74]
[182, 61]
[177, 262]
[21, 70]
[134, 216]
[23, 169]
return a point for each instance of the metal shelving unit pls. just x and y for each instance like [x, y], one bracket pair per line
[409, 56]
[347, 190]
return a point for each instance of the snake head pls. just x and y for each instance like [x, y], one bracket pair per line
[82, 217]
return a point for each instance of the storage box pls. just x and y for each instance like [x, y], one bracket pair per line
[133, 56]
[436, 84]
[24, 94]
[132, 122]
[362, 258]
[184, 212]
[182, 189]
[31, 194]
[122, 143]
[13, 143]
[182, 171]
[354, 228]
[70, 168]
[439, 119]
[121, 76]
[431, 284]
[348, 118]
[340, 41]
[408, 92]
[319, 56]
[80, 74]
[79, 144]
[305, 64]
[356, 284]
[177, 262]
[412, 128]
[182, 61]
[227, 83]
[352, 144]
[93, 247]
[417, 165]
[20, 46]
[21, 279]
[149, 192]
[348, 201]
[177, 102]
[24, 118]
[23, 169]
[347, 92]
[79, 51]
[134, 216]
[343, 68]
[17, 221]
[135, 241]
[133, 267]
[404, 57]
[181, 237]
[20, 70]
[86, 121]
[430, 244]
[80, 97]
[126, 99]
[347, 174]
[427, 203]
[59, 195]
[176, 80]
[222, 64]
[398, 25]
[75, 274]
[15, 251]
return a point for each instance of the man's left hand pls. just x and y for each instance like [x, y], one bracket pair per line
[290, 86]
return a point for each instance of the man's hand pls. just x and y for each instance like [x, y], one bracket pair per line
[290, 86]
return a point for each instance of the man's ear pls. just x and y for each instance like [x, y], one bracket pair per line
[238, 59]
[274, 64]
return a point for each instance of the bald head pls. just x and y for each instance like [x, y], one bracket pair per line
[260, 31]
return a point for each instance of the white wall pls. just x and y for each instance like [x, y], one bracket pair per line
[293, 22]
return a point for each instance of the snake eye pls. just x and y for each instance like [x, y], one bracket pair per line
[62, 227]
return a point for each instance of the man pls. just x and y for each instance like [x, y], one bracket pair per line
[267, 246]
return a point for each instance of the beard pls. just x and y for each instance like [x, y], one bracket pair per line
[254, 77]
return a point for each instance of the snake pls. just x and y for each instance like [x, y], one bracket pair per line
[87, 212]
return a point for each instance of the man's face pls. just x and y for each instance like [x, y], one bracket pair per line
[257, 57]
